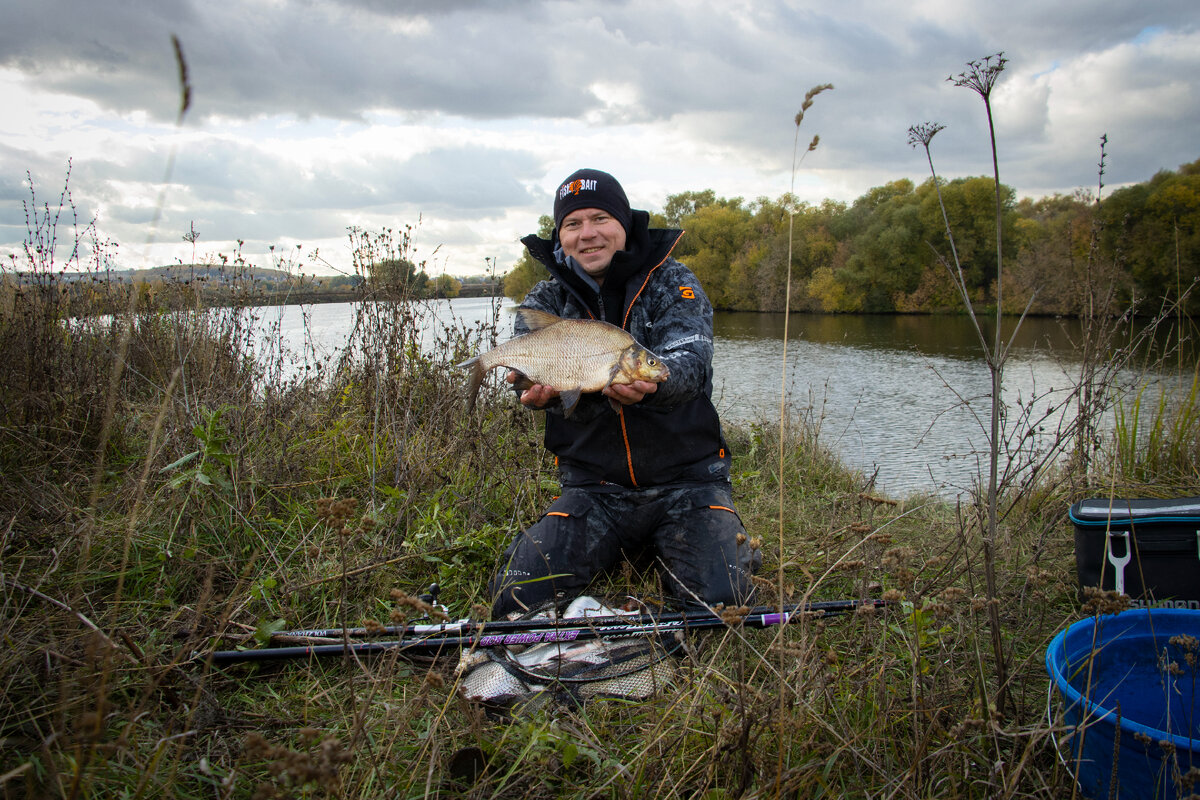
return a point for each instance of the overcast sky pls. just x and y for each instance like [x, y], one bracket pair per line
[459, 117]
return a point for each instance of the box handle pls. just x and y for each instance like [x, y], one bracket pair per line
[1120, 562]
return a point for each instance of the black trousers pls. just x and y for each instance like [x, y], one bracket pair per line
[691, 533]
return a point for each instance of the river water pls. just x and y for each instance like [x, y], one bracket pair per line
[903, 398]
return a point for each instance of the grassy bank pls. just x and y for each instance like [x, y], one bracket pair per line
[170, 487]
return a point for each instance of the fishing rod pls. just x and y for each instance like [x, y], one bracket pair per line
[441, 637]
[522, 625]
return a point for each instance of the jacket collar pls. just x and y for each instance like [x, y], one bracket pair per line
[646, 249]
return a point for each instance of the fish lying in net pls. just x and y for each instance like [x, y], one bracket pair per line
[627, 668]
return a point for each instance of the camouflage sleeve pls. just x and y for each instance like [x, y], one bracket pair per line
[680, 333]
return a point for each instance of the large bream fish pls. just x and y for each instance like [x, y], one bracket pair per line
[571, 355]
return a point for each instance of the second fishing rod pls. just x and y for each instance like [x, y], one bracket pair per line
[466, 634]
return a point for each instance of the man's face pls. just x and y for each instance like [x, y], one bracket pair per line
[592, 237]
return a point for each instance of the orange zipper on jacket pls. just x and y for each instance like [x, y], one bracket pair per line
[625, 325]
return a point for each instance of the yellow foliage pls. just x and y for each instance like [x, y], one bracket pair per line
[831, 293]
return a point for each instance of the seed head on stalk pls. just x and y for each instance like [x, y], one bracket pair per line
[805, 106]
[922, 134]
[797, 157]
[787, 307]
[981, 75]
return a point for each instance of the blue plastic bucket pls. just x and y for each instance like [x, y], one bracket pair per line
[1124, 701]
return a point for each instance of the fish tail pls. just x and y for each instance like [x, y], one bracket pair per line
[475, 381]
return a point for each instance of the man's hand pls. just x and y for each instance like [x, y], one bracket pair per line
[628, 394]
[535, 395]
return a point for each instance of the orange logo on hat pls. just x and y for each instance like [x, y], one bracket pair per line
[575, 187]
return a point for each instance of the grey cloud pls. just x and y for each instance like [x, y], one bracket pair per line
[411, 8]
[307, 59]
[237, 193]
[448, 181]
[726, 74]
[506, 59]
[231, 190]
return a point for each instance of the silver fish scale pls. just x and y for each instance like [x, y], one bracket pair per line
[570, 355]
[562, 361]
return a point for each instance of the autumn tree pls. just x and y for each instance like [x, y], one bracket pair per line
[886, 258]
[1154, 229]
[715, 236]
[444, 287]
[396, 278]
[886, 251]
[1053, 237]
[528, 271]
[679, 207]
[814, 250]
[970, 205]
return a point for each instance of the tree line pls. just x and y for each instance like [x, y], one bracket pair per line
[888, 251]
[401, 278]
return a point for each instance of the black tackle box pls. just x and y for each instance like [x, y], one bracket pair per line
[1146, 549]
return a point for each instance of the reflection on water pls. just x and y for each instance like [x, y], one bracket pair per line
[902, 397]
[949, 336]
[906, 398]
[917, 419]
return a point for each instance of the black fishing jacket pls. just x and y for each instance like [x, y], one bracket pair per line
[673, 436]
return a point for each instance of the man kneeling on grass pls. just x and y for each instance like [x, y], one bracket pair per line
[644, 467]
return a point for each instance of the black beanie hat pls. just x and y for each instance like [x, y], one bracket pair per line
[591, 188]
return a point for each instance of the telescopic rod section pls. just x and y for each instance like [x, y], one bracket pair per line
[439, 638]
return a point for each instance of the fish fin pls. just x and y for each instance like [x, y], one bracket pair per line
[536, 319]
[569, 398]
[523, 381]
[614, 405]
[612, 374]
